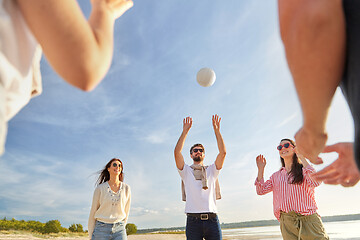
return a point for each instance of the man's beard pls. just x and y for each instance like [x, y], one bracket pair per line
[197, 159]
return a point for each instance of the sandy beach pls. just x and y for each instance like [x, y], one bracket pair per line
[12, 236]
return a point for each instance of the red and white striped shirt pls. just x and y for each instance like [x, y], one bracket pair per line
[290, 197]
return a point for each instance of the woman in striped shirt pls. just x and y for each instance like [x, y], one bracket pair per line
[293, 194]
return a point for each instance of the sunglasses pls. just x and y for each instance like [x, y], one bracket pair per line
[195, 150]
[286, 145]
[116, 165]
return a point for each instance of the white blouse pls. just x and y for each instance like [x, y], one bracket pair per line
[109, 206]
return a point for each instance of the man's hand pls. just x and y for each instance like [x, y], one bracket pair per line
[187, 123]
[343, 170]
[310, 144]
[216, 122]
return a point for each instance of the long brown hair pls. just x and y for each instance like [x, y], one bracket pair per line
[104, 174]
[296, 171]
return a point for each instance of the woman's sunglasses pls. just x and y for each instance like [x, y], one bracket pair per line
[116, 165]
[286, 145]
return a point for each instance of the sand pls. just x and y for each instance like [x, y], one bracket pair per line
[22, 236]
[11, 236]
[157, 237]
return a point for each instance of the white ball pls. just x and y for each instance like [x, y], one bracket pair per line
[206, 77]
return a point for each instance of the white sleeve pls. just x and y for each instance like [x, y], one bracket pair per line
[213, 171]
[184, 171]
[128, 202]
[95, 206]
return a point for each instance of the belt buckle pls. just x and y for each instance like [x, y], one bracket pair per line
[204, 216]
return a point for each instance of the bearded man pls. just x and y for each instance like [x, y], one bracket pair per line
[200, 185]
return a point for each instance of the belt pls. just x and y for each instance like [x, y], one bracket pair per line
[202, 216]
[297, 219]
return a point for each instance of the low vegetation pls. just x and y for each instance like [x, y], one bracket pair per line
[130, 228]
[52, 227]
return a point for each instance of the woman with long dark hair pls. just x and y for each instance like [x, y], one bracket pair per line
[111, 204]
[293, 194]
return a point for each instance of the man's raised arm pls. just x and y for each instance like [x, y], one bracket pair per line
[219, 162]
[179, 159]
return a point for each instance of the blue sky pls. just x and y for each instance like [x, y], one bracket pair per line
[58, 142]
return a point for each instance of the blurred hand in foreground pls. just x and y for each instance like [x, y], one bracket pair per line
[310, 144]
[343, 170]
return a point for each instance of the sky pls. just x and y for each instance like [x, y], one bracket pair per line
[62, 138]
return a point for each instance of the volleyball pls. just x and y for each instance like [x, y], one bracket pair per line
[206, 77]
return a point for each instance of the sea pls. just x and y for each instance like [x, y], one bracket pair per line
[349, 230]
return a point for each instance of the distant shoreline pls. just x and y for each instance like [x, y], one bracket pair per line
[259, 223]
[269, 232]
[174, 233]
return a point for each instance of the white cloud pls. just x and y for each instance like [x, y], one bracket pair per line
[287, 120]
[139, 211]
[157, 137]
